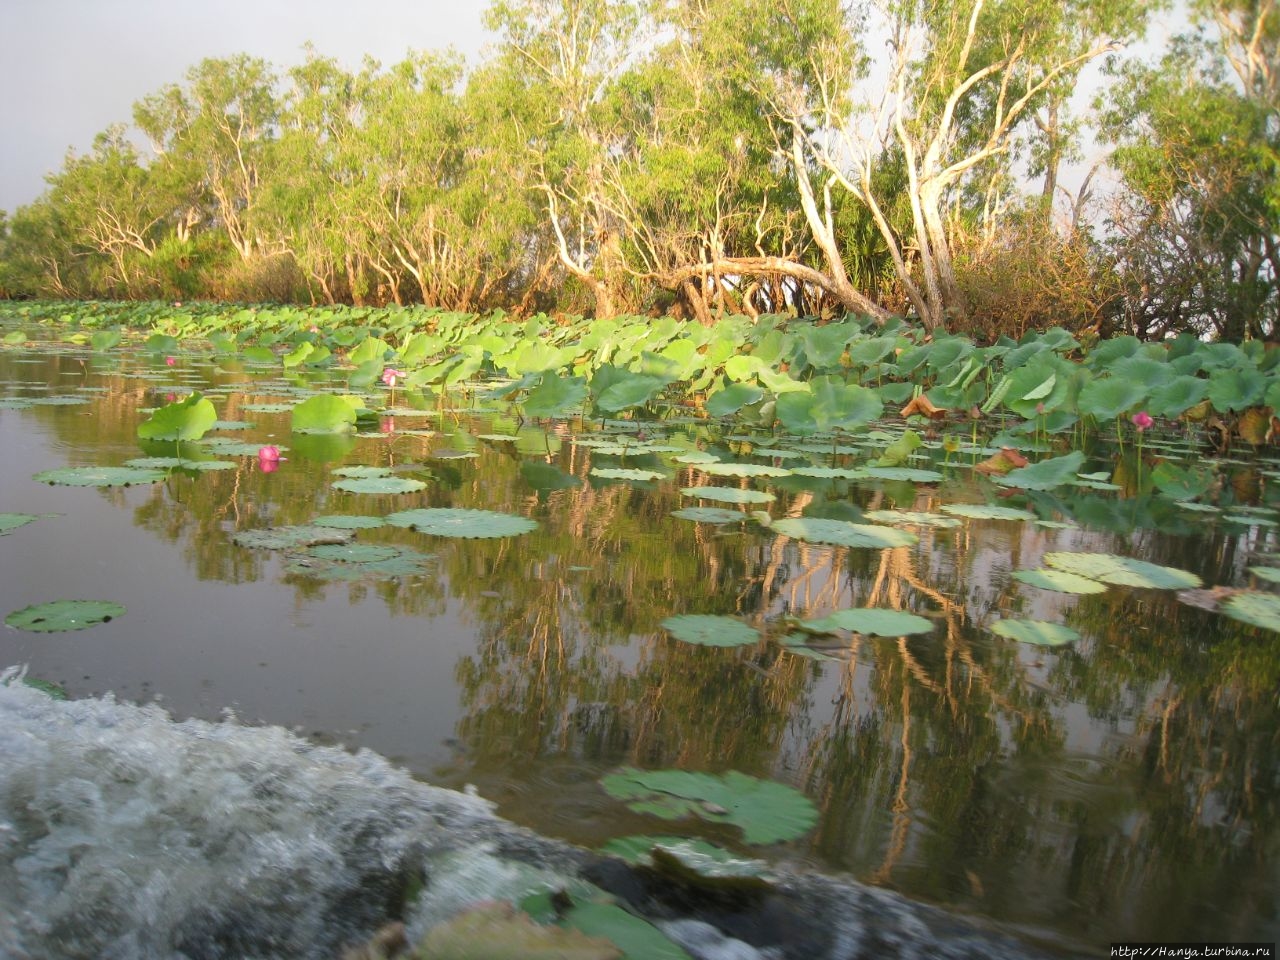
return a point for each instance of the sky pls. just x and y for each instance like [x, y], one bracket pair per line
[71, 68]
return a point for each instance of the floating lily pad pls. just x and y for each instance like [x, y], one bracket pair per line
[362, 471]
[767, 812]
[291, 537]
[1123, 571]
[1252, 607]
[709, 515]
[842, 533]
[829, 473]
[742, 470]
[696, 856]
[234, 448]
[912, 474]
[458, 522]
[379, 485]
[708, 630]
[58, 401]
[621, 473]
[1060, 581]
[871, 621]
[802, 644]
[63, 615]
[1038, 632]
[267, 407]
[729, 494]
[12, 521]
[915, 518]
[353, 552]
[979, 511]
[179, 463]
[697, 456]
[349, 522]
[99, 476]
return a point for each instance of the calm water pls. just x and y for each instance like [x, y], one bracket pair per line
[1123, 788]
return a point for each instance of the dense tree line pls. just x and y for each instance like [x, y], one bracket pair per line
[698, 157]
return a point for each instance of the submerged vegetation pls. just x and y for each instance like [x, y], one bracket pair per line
[705, 160]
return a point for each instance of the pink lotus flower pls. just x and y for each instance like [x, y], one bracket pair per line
[270, 453]
[170, 361]
[390, 375]
[1142, 420]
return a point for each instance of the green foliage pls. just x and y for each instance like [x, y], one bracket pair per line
[186, 419]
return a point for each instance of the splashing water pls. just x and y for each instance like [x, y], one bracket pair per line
[126, 834]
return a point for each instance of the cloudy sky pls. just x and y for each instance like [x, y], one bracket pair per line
[70, 68]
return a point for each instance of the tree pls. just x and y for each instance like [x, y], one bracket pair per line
[964, 77]
[1197, 138]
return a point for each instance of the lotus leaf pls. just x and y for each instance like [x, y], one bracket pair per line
[99, 476]
[326, 413]
[636, 938]
[1109, 397]
[1252, 607]
[188, 419]
[291, 537]
[622, 473]
[380, 485]
[871, 621]
[729, 494]
[555, 396]
[362, 471]
[843, 533]
[832, 473]
[1174, 397]
[1038, 632]
[983, 511]
[545, 476]
[349, 522]
[733, 398]
[709, 515]
[63, 615]
[1181, 483]
[12, 521]
[353, 552]
[767, 812]
[1060, 581]
[698, 856]
[910, 474]
[632, 390]
[911, 518]
[178, 463]
[708, 630]
[1236, 389]
[460, 522]
[1044, 475]
[742, 470]
[496, 931]
[1123, 571]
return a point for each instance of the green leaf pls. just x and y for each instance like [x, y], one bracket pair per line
[325, 413]
[729, 494]
[915, 518]
[1109, 397]
[290, 537]
[709, 515]
[623, 473]
[12, 521]
[63, 615]
[1123, 571]
[555, 396]
[457, 522]
[742, 470]
[349, 522]
[1059, 581]
[632, 390]
[710, 631]
[985, 511]
[495, 931]
[1175, 397]
[1258, 609]
[733, 398]
[1236, 389]
[871, 621]
[1179, 483]
[379, 485]
[188, 419]
[1044, 475]
[843, 533]
[99, 476]
[1038, 632]
[767, 812]
[638, 939]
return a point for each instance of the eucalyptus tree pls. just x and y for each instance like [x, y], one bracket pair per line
[962, 79]
[212, 136]
[1197, 138]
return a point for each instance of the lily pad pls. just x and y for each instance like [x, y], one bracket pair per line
[742, 470]
[843, 533]
[1060, 581]
[1252, 607]
[12, 521]
[496, 931]
[915, 518]
[290, 537]
[708, 630]
[729, 494]
[709, 515]
[871, 621]
[912, 474]
[622, 473]
[1123, 571]
[362, 471]
[1038, 632]
[980, 511]
[63, 615]
[767, 812]
[1044, 475]
[353, 552]
[459, 522]
[100, 476]
[379, 485]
